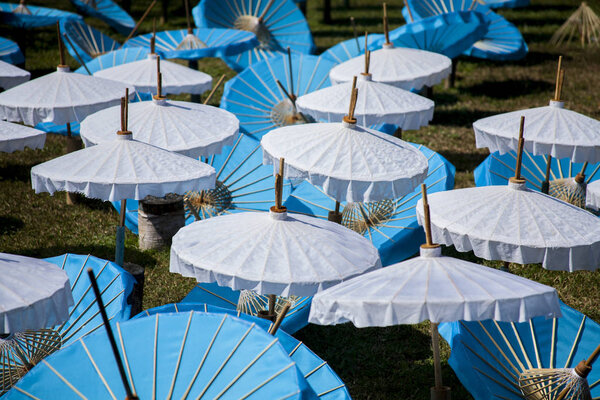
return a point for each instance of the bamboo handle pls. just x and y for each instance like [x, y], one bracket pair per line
[187, 16]
[135, 28]
[546, 183]
[427, 215]
[353, 95]
[590, 360]
[560, 84]
[123, 114]
[580, 177]
[557, 84]
[366, 41]
[280, 318]
[355, 33]
[126, 109]
[272, 299]
[437, 364]
[76, 53]
[520, 150]
[287, 94]
[279, 188]
[264, 13]
[61, 48]
[214, 89]
[385, 25]
[409, 11]
[111, 337]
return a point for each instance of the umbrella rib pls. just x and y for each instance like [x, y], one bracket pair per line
[65, 381]
[575, 342]
[97, 370]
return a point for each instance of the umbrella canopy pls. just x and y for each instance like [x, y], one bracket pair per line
[119, 169]
[15, 137]
[347, 49]
[488, 356]
[86, 42]
[593, 196]
[350, 162]
[390, 224]
[10, 52]
[186, 354]
[502, 42]
[176, 78]
[218, 43]
[401, 67]
[506, 3]
[35, 294]
[191, 129]
[449, 34]
[277, 26]
[551, 130]
[115, 284]
[226, 298]
[275, 253]
[26, 17]
[435, 288]
[108, 11]
[59, 97]
[515, 224]
[319, 375]
[243, 184]
[377, 103]
[114, 58]
[261, 104]
[11, 76]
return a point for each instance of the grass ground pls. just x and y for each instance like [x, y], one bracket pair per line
[375, 363]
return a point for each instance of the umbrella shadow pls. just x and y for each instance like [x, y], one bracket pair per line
[509, 88]
[9, 224]
[461, 117]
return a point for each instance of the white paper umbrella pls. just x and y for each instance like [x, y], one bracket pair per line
[60, 97]
[11, 76]
[515, 224]
[350, 162]
[141, 74]
[34, 294]
[401, 67]
[122, 169]
[274, 253]
[14, 137]
[552, 130]
[435, 288]
[190, 129]
[378, 103]
[592, 195]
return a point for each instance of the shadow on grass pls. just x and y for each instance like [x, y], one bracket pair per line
[466, 161]
[459, 117]
[509, 88]
[10, 224]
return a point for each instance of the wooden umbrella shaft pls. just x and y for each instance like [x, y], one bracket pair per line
[353, 23]
[437, 364]
[111, 337]
[135, 28]
[385, 25]
[520, 149]
[557, 85]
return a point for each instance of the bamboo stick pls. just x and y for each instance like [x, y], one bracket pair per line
[437, 364]
[214, 89]
[354, 93]
[517, 177]
[385, 25]
[409, 11]
[352, 22]
[61, 48]
[556, 90]
[280, 318]
[135, 28]
[76, 53]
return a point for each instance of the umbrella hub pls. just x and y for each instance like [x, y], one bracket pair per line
[361, 217]
[284, 113]
[388, 46]
[251, 302]
[516, 184]
[570, 190]
[21, 351]
[257, 26]
[22, 9]
[209, 203]
[191, 42]
[63, 68]
[557, 104]
[365, 77]
[432, 251]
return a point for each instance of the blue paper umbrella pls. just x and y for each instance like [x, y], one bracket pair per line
[10, 52]
[24, 16]
[488, 356]
[449, 34]
[319, 375]
[502, 41]
[277, 25]
[184, 355]
[85, 41]
[115, 286]
[108, 11]
[243, 184]
[257, 100]
[390, 224]
[114, 58]
[496, 169]
[214, 43]
[224, 297]
[351, 48]
[506, 3]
